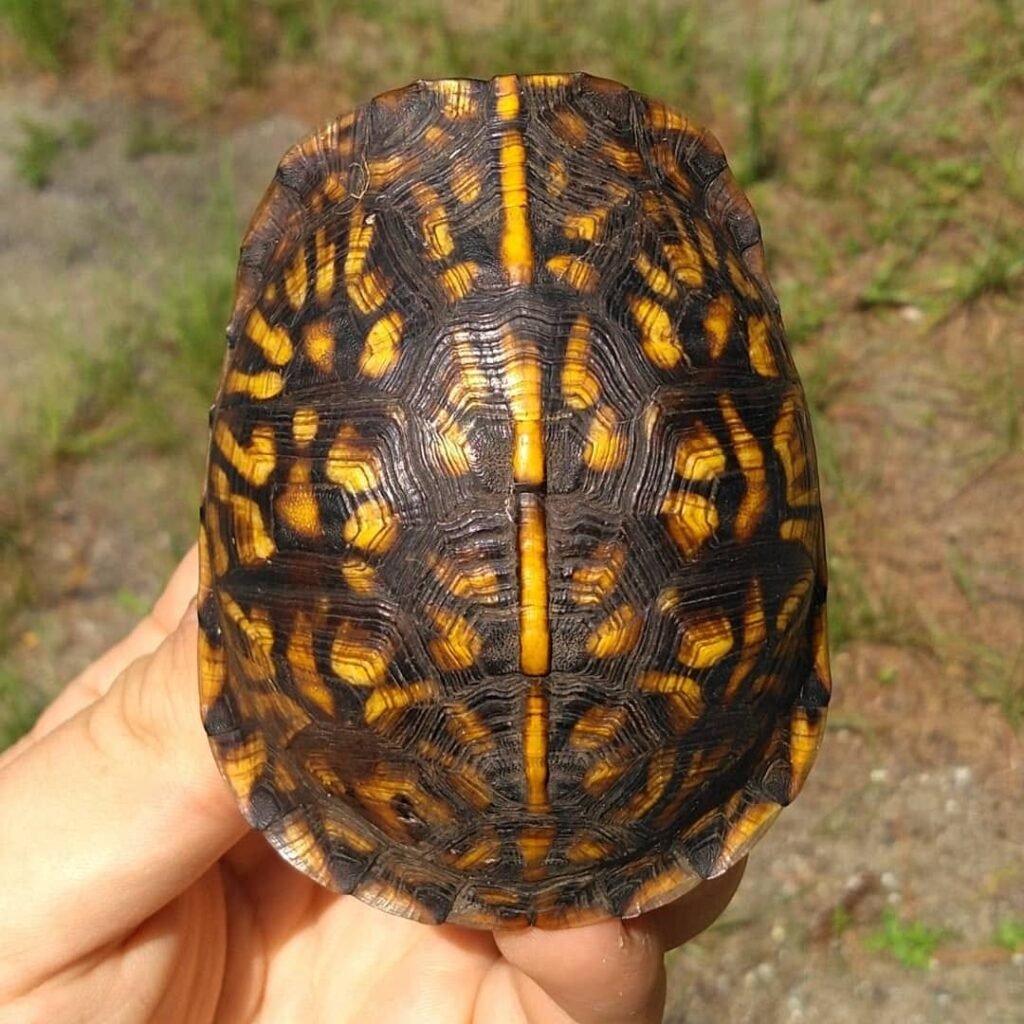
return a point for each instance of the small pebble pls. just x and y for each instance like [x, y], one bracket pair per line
[879, 775]
[962, 774]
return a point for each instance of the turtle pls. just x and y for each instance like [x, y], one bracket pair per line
[513, 583]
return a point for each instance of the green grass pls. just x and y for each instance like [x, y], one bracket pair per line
[37, 153]
[19, 707]
[1009, 934]
[42, 26]
[42, 145]
[912, 943]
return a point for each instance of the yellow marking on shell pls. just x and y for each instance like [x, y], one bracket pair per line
[256, 627]
[718, 323]
[297, 837]
[458, 280]
[258, 386]
[745, 829]
[534, 842]
[343, 834]
[660, 769]
[739, 277]
[296, 284]
[352, 462]
[804, 531]
[793, 603]
[254, 462]
[437, 235]
[586, 226]
[471, 386]
[804, 741]
[523, 381]
[685, 263]
[466, 781]
[388, 701]
[762, 359]
[624, 158]
[546, 81]
[671, 682]
[296, 505]
[558, 177]
[220, 560]
[324, 266]
[655, 278]
[699, 455]
[593, 582]
[516, 240]
[467, 182]
[252, 541]
[274, 342]
[658, 337]
[576, 273]
[305, 421]
[570, 125]
[664, 158]
[479, 583]
[336, 187]
[596, 727]
[456, 96]
[372, 527]
[243, 764]
[534, 627]
[788, 442]
[358, 575]
[755, 632]
[270, 294]
[705, 641]
[616, 635]
[485, 851]
[378, 789]
[586, 849]
[318, 340]
[751, 459]
[383, 171]
[301, 657]
[605, 447]
[451, 447]
[691, 520]
[436, 136]
[580, 386]
[603, 774]
[381, 348]
[819, 648]
[467, 727]
[664, 119]
[707, 243]
[535, 747]
[684, 700]
[358, 657]
[366, 290]
[458, 645]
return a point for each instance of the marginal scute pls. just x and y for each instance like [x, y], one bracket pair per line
[512, 569]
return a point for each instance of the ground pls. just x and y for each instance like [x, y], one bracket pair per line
[881, 146]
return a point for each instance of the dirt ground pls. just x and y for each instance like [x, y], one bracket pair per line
[908, 841]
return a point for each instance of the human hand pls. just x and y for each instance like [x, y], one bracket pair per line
[132, 890]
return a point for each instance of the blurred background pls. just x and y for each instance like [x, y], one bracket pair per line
[882, 145]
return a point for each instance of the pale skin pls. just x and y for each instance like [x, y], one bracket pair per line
[132, 890]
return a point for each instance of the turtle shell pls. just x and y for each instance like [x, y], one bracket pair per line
[513, 581]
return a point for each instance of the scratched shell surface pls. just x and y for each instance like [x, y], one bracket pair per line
[512, 595]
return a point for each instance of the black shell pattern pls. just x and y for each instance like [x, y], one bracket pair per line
[513, 580]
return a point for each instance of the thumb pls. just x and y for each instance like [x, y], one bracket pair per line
[110, 815]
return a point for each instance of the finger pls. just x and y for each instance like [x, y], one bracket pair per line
[147, 635]
[599, 974]
[109, 816]
[697, 910]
